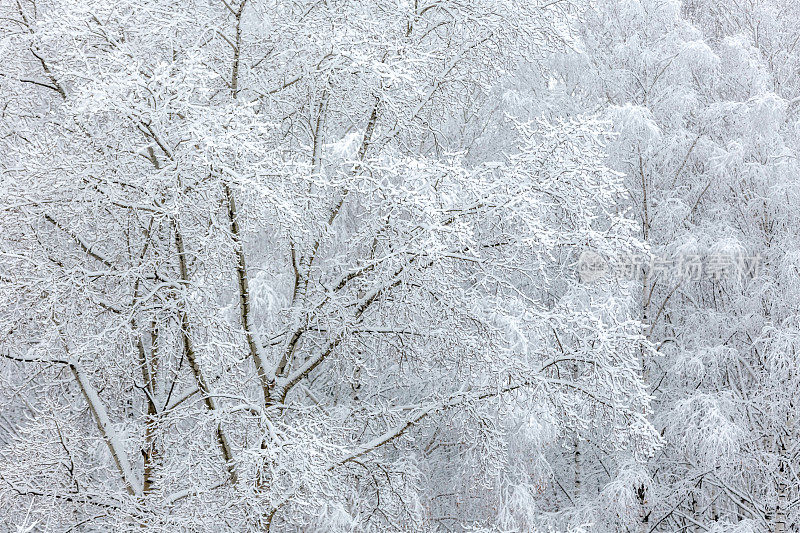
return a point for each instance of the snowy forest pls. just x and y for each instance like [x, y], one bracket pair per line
[400, 265]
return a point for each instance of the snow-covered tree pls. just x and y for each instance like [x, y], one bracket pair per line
[307, 266]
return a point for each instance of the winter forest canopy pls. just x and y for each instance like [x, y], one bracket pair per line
[400, 265]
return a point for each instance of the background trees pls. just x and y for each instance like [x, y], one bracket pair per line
[704, 105]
